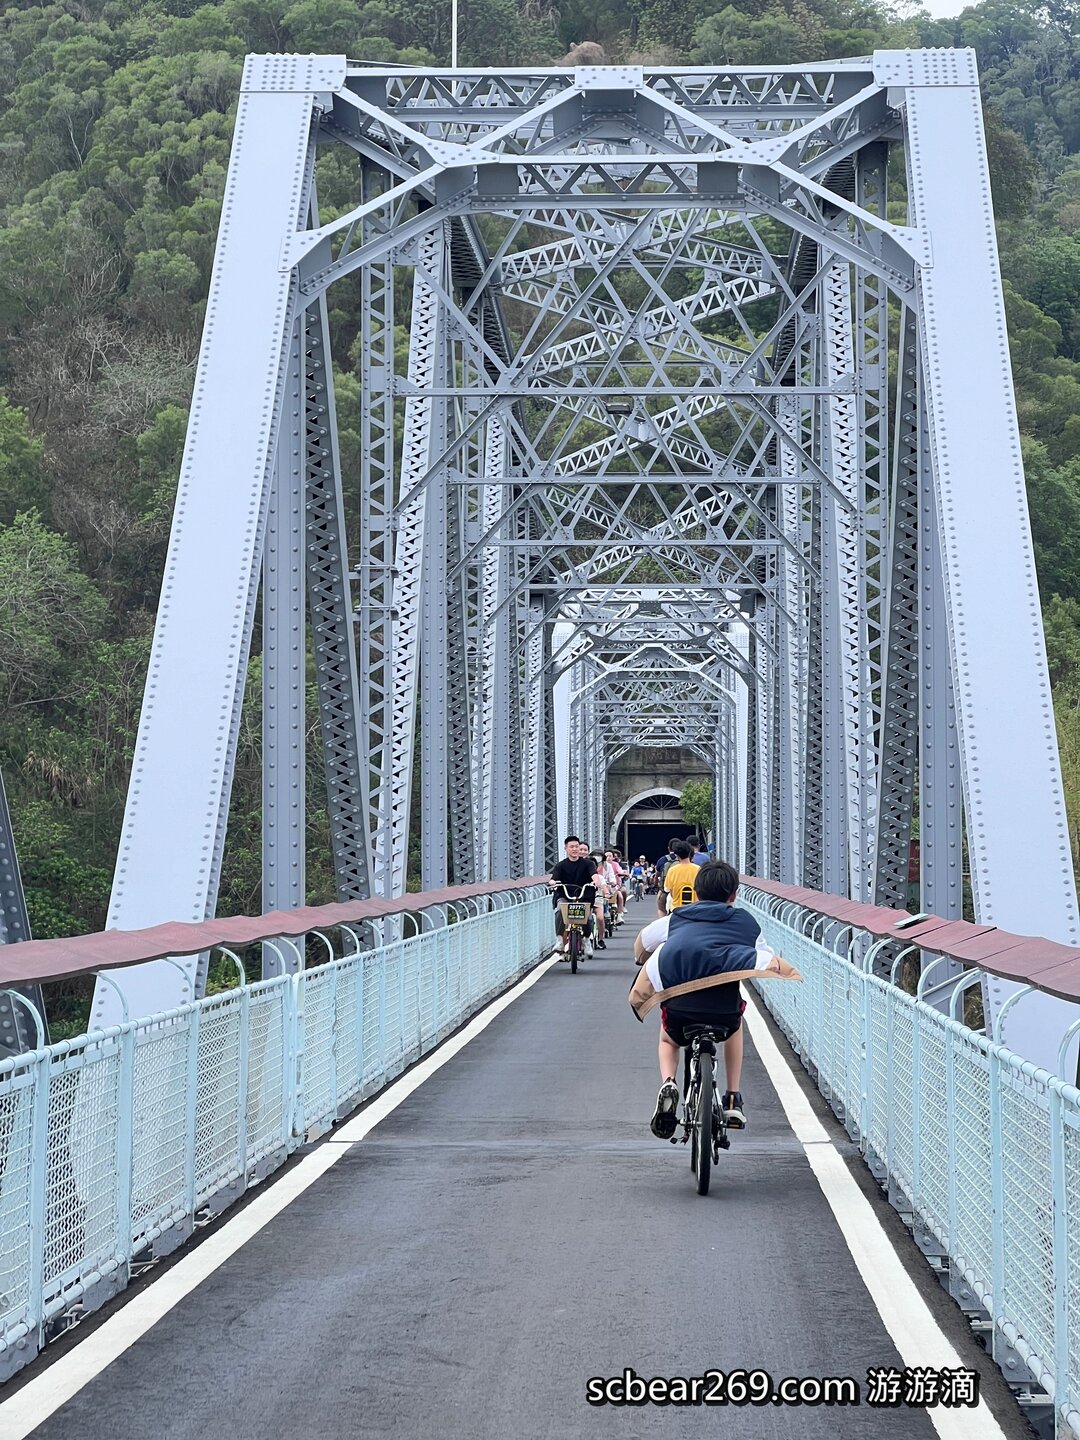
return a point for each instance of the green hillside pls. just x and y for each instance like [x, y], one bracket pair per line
[115, 123]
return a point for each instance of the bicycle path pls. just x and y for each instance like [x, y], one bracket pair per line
[509, 1232]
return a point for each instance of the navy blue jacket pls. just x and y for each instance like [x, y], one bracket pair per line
[707, 938]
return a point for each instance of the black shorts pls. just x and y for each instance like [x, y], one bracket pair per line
[672, 1020]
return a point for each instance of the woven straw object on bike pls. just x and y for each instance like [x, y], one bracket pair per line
[647, 998]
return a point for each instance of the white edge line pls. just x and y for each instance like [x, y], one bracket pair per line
[65, 1377]
[906, 1316]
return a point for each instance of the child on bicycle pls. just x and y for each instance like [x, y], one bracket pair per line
[704, 939]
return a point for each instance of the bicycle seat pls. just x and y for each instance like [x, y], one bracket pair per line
[714, 1030]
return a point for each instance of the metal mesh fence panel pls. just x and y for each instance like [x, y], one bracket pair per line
[348, 1037]
[268, 1081]
[165, 1114]
[18, 1102]
[218, 1097]
[315, 1034]
[972, 1241]
[413, 962]
[950, 1117]
[880, 1077]
[81, 1183]
[159, 1139]
[1071, 1277]
[932, 1190]
[1028, 1239]
[901, 1148]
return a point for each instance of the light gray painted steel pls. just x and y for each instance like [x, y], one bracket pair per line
[333, 629]
[900, 700]
[1021, 866]
[169, 861]
[610, 476]
[375, 560]
[285, 659]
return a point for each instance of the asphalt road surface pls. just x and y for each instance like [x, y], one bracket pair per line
[510, 1231]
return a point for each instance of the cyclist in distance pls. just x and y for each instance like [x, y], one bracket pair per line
[637, 877]
[604, 899]
[680, 877]
[708, 938]
[577, 872]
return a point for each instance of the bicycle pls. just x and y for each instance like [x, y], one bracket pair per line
[703, 1115]
[637, 884]
[576, 914]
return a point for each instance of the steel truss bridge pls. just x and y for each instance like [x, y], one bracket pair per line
[684, 418]
[706, 411]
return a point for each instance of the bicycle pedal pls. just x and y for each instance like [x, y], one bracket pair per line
[724, 1143]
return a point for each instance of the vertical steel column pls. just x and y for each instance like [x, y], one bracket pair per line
[754, 858]
[744, 701]
[496, 658]
[344, 741]
[575, 814]
[900, 677]
[813, 816]
[284, 677]
[459, 692]
[549, 794]
[537, 736]
[871, 333]
[790, 642]
[413, 510]
[518, 689]
[1018, 841]
[434, 731]
[375, 563]
[843, 591]
[941, 821]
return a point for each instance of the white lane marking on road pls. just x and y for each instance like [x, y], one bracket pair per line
[56, 1385]
[905, 1314]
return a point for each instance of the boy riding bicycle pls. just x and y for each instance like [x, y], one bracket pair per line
[705, 939]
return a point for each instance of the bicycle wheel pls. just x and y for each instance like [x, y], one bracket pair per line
[575, 948]
[689, 1091]
[702, 1134]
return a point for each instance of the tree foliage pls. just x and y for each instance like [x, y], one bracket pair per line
[697, 805]
[116, 121]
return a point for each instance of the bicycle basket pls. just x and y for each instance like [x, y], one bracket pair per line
[577, 911]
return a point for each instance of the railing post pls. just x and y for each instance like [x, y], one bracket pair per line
[997, 1188]
[950, 1111]
[242, 1087]
[192, 1107]
[1061, 1249]
[292, 1065]
[916, 1109]
[125, 1125]
[37, 1197]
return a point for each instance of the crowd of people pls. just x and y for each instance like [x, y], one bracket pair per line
[697, 938]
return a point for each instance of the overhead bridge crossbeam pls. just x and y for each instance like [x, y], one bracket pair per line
[690, 400]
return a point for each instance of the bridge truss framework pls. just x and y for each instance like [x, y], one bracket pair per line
[705, 407]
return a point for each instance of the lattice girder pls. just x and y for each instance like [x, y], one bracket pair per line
[633, 484]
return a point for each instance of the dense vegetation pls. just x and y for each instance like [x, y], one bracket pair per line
[115, 123]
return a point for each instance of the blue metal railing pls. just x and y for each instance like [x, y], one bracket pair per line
[979, 1148]
[112, 1143]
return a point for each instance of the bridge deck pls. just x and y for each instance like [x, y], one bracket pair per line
[509, 1231]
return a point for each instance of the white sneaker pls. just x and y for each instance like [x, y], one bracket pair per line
[588, 949]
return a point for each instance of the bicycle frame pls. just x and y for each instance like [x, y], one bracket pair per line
[692, 1084]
